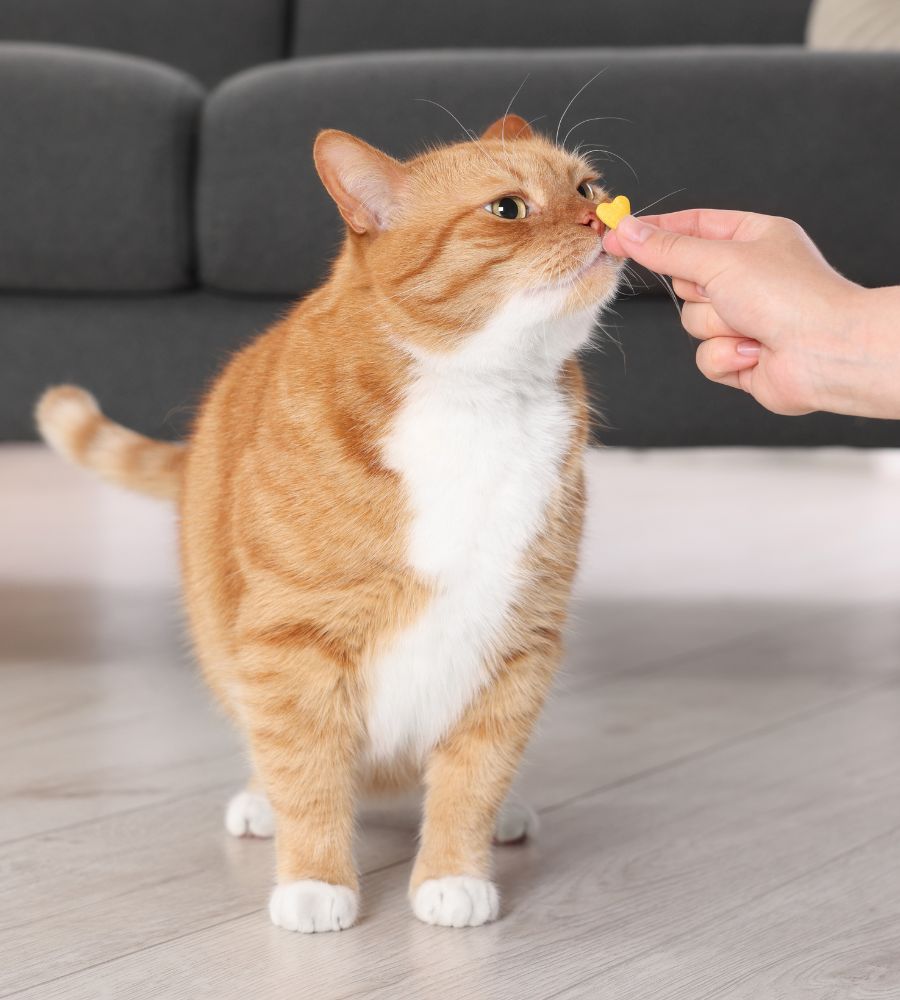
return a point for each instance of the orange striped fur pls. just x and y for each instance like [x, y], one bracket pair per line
[296, 524]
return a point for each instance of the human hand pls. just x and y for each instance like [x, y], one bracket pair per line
[773, 317]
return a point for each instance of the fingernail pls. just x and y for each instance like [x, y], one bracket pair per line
[634, 229]
[748, 348]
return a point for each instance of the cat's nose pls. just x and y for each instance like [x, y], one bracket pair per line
[590, 219]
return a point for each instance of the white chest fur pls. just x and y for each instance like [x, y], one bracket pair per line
[480, 455]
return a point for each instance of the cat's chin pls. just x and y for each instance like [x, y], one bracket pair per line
[598, 258]
[591, 290]
[589, 286]
[597, 281]
[584, 300]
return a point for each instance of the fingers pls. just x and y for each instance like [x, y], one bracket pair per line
[701, 320]
[690, 291]
[722, 359]
[734, 380]
[687, 257]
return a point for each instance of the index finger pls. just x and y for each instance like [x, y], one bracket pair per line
[705, 223]
[695, 245]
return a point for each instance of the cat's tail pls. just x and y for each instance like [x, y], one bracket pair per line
[70, 421]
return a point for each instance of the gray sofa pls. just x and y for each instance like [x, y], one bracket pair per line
[158, 203]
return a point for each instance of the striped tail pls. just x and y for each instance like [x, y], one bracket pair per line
[70, 421]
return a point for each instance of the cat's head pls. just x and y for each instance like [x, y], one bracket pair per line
[475, 244]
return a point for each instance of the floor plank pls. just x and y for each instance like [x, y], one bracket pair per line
[830, 934]
[616, 875]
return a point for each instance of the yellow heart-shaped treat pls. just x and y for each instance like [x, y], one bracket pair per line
[611, 213]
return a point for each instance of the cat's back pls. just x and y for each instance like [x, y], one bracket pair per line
[230, 405]
[283, 483]
[241, 406]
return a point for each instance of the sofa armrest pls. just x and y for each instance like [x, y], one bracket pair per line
[96, 171]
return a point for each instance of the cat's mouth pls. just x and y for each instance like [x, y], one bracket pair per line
[594, 278]
[595, 257]
[598, 257]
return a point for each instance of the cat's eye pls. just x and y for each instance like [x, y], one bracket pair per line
[509, 207]
[586, 190]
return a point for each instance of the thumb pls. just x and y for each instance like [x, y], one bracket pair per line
[680, 256]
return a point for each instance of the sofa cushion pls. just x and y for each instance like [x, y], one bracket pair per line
[327, 26]
[210, 39]
[95, 171]
[781, 131]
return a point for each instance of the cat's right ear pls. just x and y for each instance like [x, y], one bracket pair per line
[508, 127]
[364, 182]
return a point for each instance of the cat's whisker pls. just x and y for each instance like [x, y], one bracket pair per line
[467, 132]
[628, 269]
[506, 114]
[628, 282]
[531, 121]
[578, 93]
[665, 283]
[629, 272]
[613, 339]
[671, 194]
[601, 118]
[615, 156]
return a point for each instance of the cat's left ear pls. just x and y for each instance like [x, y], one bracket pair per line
[507, 128]
[364, 182]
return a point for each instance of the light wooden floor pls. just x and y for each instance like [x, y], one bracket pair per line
[718, 774]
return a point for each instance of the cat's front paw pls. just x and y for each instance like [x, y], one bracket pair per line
[249, 815]
[456, 901]
[310, 906]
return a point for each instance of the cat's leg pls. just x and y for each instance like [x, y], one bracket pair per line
[516, 822]
[249, 812]
[300, 708]
[467, 779]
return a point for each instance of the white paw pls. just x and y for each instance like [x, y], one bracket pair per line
[249, 815]
[516, 822]
[310, 906]
[456, 901]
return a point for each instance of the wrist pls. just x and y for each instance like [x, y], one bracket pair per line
[876, 327]
[861, 369]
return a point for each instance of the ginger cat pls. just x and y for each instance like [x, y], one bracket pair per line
[381, 503]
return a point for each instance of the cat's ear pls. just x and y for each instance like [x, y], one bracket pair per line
[364, 182]
[508, 127]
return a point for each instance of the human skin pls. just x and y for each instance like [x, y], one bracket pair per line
[773, 317]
